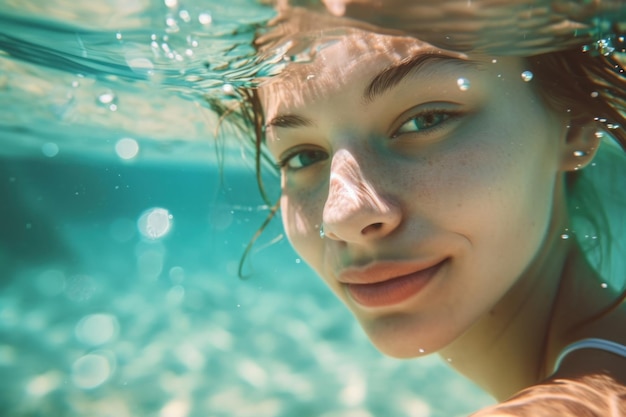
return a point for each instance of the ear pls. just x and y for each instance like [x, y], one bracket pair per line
[580, 147]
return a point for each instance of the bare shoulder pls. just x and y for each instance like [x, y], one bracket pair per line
[597, 395]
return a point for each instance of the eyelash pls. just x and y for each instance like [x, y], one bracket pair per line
[320, 155]
[447, 113]
[285, 160]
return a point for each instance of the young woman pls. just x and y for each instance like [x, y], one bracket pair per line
[437, 191]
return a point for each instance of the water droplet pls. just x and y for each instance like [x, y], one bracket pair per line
[107, 99]
[50, 149]
[205, 18]
[127, 148]
[175, 295]
[463, 84]
[605, 47]
[527, 76]
[44, 384]
[604, 285]
[141, 64]
[228, 89]
[185, 16]
[155, 223]
[177, 274]
[96, 329]
[421, 350]
[91, 371]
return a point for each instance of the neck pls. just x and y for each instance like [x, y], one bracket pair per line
[505, 350]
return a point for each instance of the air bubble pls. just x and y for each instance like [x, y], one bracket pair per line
[205, 18]
[155, 223]
[185, 16]
[604, 285]
[171, 3]
[107, 99]
[599, 134]
[127, 148]
[177, 274]
[422, 351]
[605, 47]
[50, 149]
[96, 329]
[91, 371]
[594, 94]
[564, 236]
[580, 153]
[463, 84]
[527, 76]
[228, 89]
[118, 36]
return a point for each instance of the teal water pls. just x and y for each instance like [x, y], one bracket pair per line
[123, 222]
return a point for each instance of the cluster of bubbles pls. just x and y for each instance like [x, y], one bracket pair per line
[125, 148]
[464, 84]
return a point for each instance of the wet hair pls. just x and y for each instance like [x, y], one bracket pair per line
[585, 81]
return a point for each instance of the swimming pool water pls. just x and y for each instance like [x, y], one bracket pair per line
[123, 222]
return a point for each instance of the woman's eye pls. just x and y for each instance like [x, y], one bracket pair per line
[423, 122]
[302, 159]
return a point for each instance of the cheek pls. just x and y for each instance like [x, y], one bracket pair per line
[301, 214]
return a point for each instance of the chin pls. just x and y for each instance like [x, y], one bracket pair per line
[400, 341]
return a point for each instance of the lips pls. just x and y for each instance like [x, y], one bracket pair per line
[387, 283]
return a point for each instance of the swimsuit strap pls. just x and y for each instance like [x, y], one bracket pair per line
[592, 343]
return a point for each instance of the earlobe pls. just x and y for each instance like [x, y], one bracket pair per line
[580, 147]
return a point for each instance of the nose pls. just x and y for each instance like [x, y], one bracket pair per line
[356, 210]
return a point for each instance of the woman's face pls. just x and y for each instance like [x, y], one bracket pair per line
[435, 179]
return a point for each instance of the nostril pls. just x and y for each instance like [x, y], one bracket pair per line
[372, 228]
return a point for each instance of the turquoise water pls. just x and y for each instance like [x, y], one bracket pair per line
[123, 222]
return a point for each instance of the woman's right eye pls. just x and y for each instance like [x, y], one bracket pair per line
[302, 158]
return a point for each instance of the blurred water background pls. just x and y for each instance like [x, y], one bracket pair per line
[123, 219]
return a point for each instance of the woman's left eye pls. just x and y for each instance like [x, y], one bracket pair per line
[423, 122]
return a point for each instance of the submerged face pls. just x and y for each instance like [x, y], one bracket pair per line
[435, 178]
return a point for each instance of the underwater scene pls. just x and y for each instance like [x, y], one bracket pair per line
[125, 214]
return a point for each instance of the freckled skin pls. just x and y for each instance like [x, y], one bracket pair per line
[483, 191]
[468, 194]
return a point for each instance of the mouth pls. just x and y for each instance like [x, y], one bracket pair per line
[388, 290]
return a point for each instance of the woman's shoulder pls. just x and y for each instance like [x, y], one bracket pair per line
[596, 394]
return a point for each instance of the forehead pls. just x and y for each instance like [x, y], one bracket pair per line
[351, 60]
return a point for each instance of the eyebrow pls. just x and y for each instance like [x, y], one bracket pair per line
[382, 83]
[393, 75]
[289, 120]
